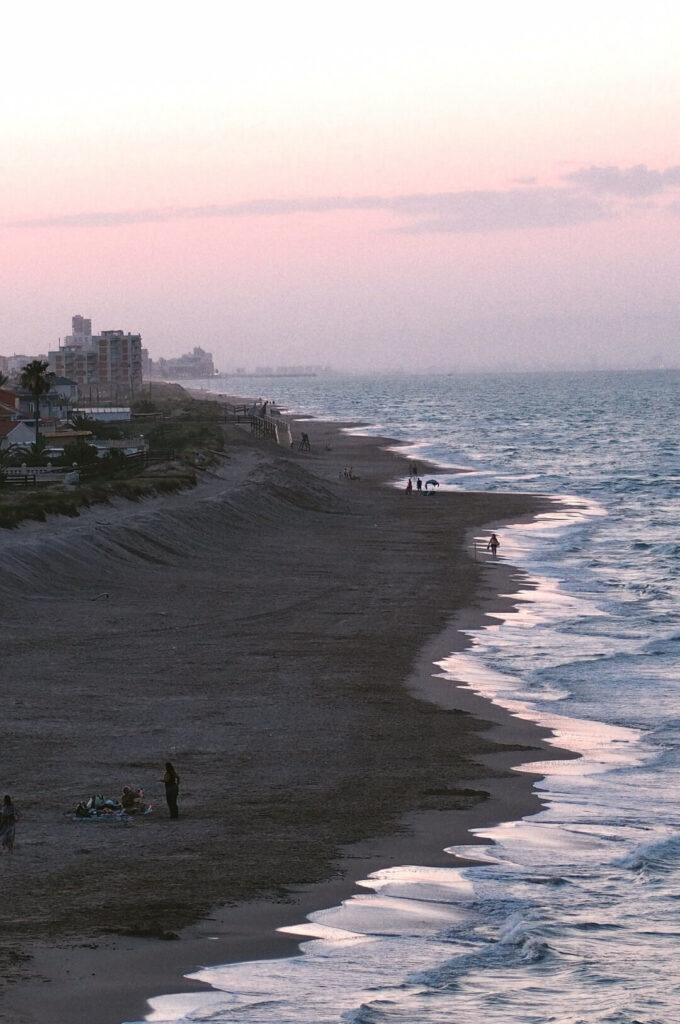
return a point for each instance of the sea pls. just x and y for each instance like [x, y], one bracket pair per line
[571, 915]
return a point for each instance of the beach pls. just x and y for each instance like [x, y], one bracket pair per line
[273, 633]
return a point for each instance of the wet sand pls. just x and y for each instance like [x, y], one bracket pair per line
[273, 633]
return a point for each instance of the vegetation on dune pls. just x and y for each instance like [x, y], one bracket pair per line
[179, 430]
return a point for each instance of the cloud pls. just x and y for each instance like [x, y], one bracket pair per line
[499, 211]
[420, 213]
[631, 182]
[590, 194]
[250, 208]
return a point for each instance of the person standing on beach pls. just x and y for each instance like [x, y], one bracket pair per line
[8, 820]
[171, 780]
[409, 486]
[493, 544]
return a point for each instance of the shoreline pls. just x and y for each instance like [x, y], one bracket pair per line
[392, 836]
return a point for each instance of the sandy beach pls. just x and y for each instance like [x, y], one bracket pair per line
[272, 632]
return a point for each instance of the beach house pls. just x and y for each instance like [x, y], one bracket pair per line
[16, 432]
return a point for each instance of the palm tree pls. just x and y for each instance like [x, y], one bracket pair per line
[36, 379]
[80, 421]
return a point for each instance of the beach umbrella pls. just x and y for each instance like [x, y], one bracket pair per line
[435, 483]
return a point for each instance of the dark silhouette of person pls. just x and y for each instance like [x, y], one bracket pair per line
[419, 484]
[171, 780]
[493, 544]
[409, 486]
[8, 820]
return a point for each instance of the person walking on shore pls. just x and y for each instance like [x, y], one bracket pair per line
[493, 544]
[8, 820]
[171, 780]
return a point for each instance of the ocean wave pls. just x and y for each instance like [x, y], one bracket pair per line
[558, 927]
[658, 856]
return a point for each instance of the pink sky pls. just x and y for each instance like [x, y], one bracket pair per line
[370, 186]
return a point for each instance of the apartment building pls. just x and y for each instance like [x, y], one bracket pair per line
[106, 366]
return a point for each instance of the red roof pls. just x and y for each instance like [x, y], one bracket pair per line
[7, 426]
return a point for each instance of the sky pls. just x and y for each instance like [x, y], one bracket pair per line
[370, 186]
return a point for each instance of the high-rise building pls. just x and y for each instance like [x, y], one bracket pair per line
[106, 367]
[120, 363]
[82, 331]
[79, 364]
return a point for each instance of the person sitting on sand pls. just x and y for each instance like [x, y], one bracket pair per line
[131, 800]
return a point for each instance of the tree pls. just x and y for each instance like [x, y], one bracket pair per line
[36, 379]
[35, 454]
[81, 452]
[80, 421]
[3, 379]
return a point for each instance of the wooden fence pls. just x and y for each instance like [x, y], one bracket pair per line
[270, 428]
[136, 462]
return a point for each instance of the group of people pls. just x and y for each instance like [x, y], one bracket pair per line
[413, 475]
[493, 542]
[131, 801]
[409, 485]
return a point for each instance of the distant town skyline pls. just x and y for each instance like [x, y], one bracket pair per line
[375, 187]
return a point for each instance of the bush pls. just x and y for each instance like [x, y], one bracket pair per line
[188, 425]
[80, 452]
[185, 425]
